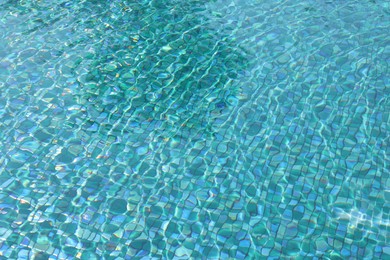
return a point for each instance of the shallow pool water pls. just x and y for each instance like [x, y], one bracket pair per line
[236, 129]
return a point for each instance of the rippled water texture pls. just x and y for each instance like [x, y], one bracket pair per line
[194, 129]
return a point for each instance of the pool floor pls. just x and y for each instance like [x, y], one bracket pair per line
[155, 129]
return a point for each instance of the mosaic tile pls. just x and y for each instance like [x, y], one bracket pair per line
[186, 129]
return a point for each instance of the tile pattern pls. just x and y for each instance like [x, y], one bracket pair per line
[184, 129]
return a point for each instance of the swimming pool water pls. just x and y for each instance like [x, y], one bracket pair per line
[237, 129]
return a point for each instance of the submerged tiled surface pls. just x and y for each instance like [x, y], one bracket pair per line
[204, 129]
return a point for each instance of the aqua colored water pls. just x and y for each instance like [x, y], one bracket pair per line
[237, 129]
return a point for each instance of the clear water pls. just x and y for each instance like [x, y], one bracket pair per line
[194, 129]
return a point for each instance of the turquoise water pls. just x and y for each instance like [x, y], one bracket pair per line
[235, 129]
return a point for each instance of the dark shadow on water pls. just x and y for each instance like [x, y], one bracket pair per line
[162, 62]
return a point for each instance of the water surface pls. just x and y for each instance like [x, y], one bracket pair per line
[194, 129]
